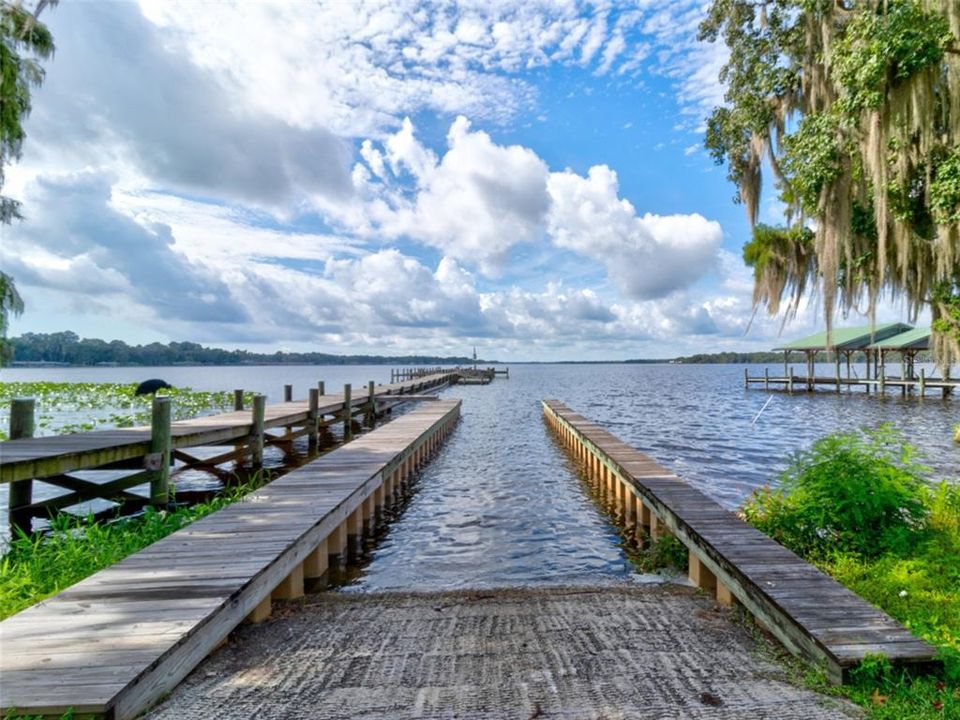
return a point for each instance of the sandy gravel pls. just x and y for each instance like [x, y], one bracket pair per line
[621, 652]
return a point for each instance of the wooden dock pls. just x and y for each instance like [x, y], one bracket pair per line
[150, 451]
[813, 615]
[117, 641]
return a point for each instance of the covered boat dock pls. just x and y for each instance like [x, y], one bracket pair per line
[875, 344]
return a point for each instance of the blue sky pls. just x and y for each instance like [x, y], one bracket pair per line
[384, 177]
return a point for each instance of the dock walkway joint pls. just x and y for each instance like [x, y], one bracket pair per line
[813, 615]
[117, 641]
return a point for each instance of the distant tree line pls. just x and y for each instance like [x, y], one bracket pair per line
[69, 348]
[769, 358]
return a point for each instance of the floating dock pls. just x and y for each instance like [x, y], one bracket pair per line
[116, 642]
[813, 615]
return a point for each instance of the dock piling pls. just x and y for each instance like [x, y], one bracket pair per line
[347, 412]
[160, 450]
[257, 441]
[288, 393]
[371, 404]
[238, 399]
[315, 566]
[313, 420]
[22, 411]
[322, 387]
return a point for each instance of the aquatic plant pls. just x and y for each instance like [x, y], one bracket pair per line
[67, 407]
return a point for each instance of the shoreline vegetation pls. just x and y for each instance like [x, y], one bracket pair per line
[67, 349]
[863, 508]
[39, 565]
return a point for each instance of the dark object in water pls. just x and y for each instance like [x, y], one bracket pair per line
[149, 387]
[708, 698]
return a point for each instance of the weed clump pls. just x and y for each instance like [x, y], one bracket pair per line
[862, 492]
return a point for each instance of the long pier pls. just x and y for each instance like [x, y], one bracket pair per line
[114, 643]
[150, 451]
[813, 615]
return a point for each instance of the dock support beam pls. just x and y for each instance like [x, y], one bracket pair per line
[160, 450]
[238, 399]
[21, 491]
[288, 393]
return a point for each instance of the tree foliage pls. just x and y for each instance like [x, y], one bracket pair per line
[855, 107]
[24, 42]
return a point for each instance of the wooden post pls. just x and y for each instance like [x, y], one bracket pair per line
[766, 378]
[866, 385]
[288, 393]
[313, 420]
[21, 492]
[371, 403]
[261, 612]
[883, 378]
[238, 399]
[724, 596]
[322, 387]
[746, 377]
[316, 565]
[347, 412]
[291, 587]
[838, 372]
[354, 535]
[923, 381]
[160, 445]
[699, 574]
[257, 436]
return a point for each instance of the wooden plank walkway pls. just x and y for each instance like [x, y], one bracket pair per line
[36, 458]
[116, 642]
[812, 614]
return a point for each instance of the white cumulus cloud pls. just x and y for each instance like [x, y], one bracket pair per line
[649, 256]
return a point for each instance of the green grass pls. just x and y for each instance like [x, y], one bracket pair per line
[857, 486]
[38, 566]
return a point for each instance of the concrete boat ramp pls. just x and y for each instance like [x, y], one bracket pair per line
[612, 652]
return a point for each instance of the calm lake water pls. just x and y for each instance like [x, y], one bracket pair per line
[502, 504]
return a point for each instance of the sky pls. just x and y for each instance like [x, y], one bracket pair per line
[387, 178]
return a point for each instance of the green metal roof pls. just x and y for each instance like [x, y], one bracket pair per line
[854, 338]
[916, 339]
